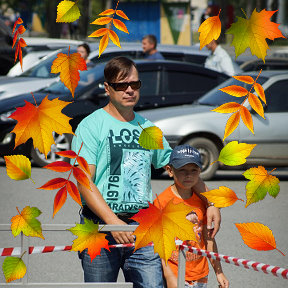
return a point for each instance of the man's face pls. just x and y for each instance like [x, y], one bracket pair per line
[209, 46]
[82, 52]
[124, 99]
[147, 46]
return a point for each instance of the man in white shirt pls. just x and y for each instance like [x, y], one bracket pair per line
[219, 59]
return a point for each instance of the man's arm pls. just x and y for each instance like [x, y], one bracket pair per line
[99, 207]
[213, 213]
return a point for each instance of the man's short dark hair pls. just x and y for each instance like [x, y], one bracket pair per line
[86, 47]
[118, 67]
[152, 39]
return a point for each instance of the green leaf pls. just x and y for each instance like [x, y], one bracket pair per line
[13, 268]
[151, 138]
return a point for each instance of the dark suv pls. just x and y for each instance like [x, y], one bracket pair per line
[164, 83]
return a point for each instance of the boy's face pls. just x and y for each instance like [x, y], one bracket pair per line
[186, 176]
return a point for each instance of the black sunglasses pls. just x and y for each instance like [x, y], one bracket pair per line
[122, 86]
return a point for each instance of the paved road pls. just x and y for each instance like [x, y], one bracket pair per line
[64, 266]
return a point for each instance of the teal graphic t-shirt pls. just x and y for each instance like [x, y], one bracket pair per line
[123, 167]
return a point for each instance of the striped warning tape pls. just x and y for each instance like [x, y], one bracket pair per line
[248, 264]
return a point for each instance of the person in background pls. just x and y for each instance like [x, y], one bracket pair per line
[206, 14]
[84, 51]
[149, 45]
[219, 59]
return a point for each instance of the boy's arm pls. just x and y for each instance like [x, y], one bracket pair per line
[169, 276]
[211, 246]
[213, 213]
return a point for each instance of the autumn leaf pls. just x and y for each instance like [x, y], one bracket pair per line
[257, 236]
[247, 118]
[68, 66]
[21, 29]
[210, 29]
[102, 21]
[229, 107]
[59, 166]
[235, 90]
[103, 44]
[39, 122]
[256, 104]
[13, 268]
[107, 12]
[67, 11]
[251, 33]
[260, 91]
[54, 184]
[245, 79]
[18, 167]
[114, 38]
[151, 138]
[83, 164]
[81, 177]
[18, 21]
[162, 226]
[232, 124]
[99, 32]
[122, 14]
[69, 154]
[222, 197]
[260, 183]
[234, 153]
[18, 52]
[120, 25]
[89, 237]
[27, 223]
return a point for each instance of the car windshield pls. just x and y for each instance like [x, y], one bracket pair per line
[43, 68]
[87, 79]
[215, 97]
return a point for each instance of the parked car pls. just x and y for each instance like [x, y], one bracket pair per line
[270, 64]
[164, 83]
[36, 49]
[42, 76]
[198, 126]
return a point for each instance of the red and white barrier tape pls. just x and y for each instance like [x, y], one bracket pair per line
[261, 267]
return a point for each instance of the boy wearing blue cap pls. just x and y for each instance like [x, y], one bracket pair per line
[185, 167]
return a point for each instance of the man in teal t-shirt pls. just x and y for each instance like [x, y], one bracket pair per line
[120, 180]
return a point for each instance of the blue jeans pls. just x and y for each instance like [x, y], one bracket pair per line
[143, 267]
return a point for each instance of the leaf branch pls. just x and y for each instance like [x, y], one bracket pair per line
[113, 15]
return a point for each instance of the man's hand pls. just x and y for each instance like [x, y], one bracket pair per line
[122, 237]
[213, 215]
[222, 280]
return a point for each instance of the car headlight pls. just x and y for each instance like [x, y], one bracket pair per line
[4, 116]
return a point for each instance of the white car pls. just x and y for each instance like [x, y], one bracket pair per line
[202, 128]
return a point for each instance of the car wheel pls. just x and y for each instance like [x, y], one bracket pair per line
[209, 153]
[62, 143]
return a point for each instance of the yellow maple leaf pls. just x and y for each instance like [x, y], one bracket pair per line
[27, 223]
[210, 29]
[38, 123]
[251, 33]
[162, 226]
[67, 11]
[222, 197]
[260, 182]
[68, 66]
[18, 167]
[89, 237]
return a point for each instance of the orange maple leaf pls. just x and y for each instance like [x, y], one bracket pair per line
[210, 29]
[257, 236]
[68, 66]
[89, 237]
[39, 122]
[253, 32]
[162, 226]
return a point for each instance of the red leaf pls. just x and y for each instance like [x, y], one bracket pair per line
[54, 184]
[68, 154]
[247, 118]
[74, 193]
[21, 29]
[81, 177]
[122, 14]
[59, 200]
[84, 165]
[18, 21]
[20, 55]
[22, 42]
[59, 166]
[15, 38]
[17, 51]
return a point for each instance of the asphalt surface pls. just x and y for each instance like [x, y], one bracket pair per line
[65, 266]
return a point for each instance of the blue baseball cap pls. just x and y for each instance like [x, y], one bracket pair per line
[185, 154]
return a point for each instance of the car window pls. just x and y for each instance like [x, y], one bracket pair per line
[276, 97]
[184, 82]
[150, 83]
[215, 97]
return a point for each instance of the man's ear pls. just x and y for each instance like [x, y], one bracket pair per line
[168, 168]
[106, 86]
